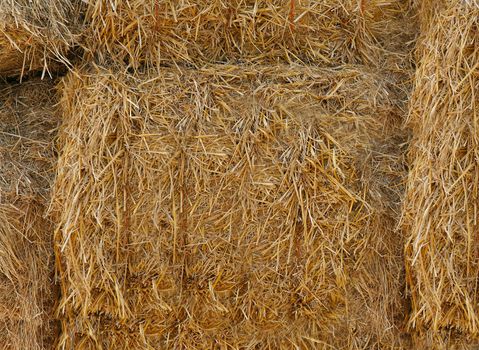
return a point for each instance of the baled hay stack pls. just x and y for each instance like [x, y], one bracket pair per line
[229, 208]
[441, 207]
[196, 32]
[35, 33]
[26, 253]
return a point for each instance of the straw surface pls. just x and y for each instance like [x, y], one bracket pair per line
[36, 33]
[27, 122]
[197, 32]
[441, 206]
[229, 207]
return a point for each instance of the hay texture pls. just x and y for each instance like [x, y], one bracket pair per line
[328, 32]
[441, 206]
[229, 207]
[36, 33]
[27, 120]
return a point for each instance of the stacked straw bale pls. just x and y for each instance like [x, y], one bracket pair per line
[26, 252]
[441, 205]
[34, 34]
[328, 32]
[229, 207]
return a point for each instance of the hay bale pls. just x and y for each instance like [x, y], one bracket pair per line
[328, 32]
[35, 34]
[441, 206]
[229, 207]
[26, 253]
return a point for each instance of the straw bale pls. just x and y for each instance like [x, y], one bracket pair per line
[26, 253]
[441, 205]
[34, 34]
[229, 207]
[328, 32]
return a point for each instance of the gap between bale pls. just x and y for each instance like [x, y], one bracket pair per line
[229, 207]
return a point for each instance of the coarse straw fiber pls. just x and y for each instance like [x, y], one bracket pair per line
[440, 215]
[27, 122]
[328, 32]
[230, 208]
[36, 34]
